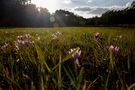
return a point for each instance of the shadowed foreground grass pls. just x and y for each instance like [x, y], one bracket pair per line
[95, 58]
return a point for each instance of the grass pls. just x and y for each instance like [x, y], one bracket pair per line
[46, 64]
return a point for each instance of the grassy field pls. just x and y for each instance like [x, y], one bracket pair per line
[77, 58]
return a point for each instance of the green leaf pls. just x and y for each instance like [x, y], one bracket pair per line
[41, 57]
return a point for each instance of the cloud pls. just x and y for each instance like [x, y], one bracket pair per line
[67, 1]
[90, 11]
[98, 11]
[83, 9]
[89, 1]
[128, 4]
[87, 11]
[89, 8]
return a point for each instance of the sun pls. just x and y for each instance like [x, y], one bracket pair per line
[51, 5]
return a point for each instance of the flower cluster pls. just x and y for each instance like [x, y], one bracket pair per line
[24, 40]
[114, 49]
[56, 35]
[75, 54]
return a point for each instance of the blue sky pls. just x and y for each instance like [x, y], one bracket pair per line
[85, 8]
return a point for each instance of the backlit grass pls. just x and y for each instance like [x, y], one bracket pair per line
[43, 61]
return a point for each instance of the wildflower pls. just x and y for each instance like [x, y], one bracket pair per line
[17, 60]
[16, 47]
[56, 35]
[38, 38]
[23, 40]
[27, 35]
[20, 42]
[97, 36]
[20, 37]
[114, 49]
[32, 42]
[75, 56]
[36, 34]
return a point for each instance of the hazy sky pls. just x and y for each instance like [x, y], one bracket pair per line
[85, 8]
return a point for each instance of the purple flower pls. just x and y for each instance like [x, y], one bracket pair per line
[114, 49]
[23, 40]
[20, 42]
[75, 56]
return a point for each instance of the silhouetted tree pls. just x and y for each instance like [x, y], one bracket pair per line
[133, 4]
[66, 18]
[21, 13]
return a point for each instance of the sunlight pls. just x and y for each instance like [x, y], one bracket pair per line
[51, 5]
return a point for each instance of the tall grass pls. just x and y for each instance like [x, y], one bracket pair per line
[47, 64]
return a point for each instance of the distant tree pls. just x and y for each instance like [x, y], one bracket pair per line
[44, 17]
[66, 18]
[21, 13]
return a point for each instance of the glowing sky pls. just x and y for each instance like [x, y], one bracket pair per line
[85, 8]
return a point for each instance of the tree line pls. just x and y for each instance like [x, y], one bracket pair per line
[22, 13]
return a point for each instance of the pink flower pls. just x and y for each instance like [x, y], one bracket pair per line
[114, 49]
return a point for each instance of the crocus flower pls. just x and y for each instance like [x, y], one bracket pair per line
[20, 42]
[75, 56]
[114, 49]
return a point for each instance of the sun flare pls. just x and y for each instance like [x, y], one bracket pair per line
[51, 5]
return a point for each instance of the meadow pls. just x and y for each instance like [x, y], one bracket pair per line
[75, 58]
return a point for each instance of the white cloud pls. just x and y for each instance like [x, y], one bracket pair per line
[89, 1]
[128, 4]
[85, 8]
[88, 12]
[67, 1]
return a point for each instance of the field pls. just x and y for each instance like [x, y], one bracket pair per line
[75, 58]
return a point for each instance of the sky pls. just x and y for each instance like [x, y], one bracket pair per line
[84, 8]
